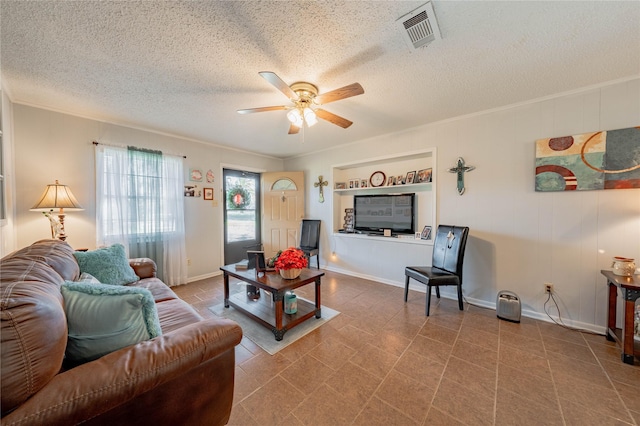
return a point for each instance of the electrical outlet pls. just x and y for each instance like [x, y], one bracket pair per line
[548, 288]
[188, 262]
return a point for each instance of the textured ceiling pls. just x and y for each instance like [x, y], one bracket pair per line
[185, 67]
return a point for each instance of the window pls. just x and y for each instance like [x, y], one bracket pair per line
[284, 184]
[140, 205]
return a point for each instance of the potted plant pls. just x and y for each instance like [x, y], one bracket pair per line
[290, 263]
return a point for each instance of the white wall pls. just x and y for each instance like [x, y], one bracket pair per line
[51, 145]
[7, 228]
[519, 238]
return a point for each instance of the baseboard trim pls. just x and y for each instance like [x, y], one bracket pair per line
[204, 276]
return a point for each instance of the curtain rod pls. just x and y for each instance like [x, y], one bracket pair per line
[120, 146]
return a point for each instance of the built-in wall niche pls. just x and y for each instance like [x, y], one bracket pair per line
[398, 165]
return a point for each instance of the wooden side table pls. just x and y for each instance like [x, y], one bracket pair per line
[630, 287]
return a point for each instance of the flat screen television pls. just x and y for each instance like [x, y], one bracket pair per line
[376, 212]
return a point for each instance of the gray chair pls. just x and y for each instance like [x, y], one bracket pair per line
[446, 265]
[310, 239]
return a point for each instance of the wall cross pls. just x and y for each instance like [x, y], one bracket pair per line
[321, 184]
[459, 170]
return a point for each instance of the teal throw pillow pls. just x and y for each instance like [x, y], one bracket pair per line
[108, 264]
[103, 318]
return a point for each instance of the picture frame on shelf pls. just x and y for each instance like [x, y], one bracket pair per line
[364, 183]
[426, 233]
[410, 177]
[356, 183]
[418, 235]
[207, 193]
[400, 180]
[391, 181]
[424, 175]
[340, 185]
[351, 184]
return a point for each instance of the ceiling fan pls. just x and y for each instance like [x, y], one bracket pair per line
[304, 97]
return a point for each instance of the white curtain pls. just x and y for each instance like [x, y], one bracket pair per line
[140, 204]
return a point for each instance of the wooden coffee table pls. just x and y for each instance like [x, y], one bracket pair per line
[262, 311]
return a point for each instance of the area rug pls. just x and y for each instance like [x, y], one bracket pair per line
[263, 337]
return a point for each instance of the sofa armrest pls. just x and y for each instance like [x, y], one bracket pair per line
[144, 267]
[97, 387]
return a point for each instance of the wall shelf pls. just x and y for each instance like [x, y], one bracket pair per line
[392, 165]
[397, 240]
[412, 187]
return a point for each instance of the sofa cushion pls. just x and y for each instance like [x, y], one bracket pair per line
[20, 267]
[158, 289]
[34, 331]
[104, 318]
[57, 254]
[108, 264]
[175, 314]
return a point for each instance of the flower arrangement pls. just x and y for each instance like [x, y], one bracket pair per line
[291, 258]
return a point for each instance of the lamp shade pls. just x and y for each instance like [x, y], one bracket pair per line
[57, 196]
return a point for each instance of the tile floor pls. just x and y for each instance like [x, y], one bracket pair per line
[382, 362]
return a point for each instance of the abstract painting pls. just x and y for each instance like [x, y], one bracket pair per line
[599, 160]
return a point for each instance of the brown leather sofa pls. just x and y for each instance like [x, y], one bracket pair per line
[185, 376]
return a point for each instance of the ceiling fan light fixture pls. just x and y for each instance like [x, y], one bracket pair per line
[310, 117]
[295, 117]
[303, 95]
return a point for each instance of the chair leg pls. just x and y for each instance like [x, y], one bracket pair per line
[460, 297]
[438, 292]
[406, 288]
[429, 299]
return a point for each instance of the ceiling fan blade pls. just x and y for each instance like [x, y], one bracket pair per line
[272, 78]
[332, 118]
[261, 109]
[293, 129]
[341, 93]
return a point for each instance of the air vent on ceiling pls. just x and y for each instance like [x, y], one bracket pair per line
[419, 27]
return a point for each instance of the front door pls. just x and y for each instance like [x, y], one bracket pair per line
[283, 210]
[241, 214]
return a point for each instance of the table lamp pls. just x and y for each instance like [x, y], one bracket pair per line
[57, 196]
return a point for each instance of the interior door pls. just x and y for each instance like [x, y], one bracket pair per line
[282, 210]
[241, 214]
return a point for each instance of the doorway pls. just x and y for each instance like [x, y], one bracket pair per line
[283, 210]
[241, 214]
